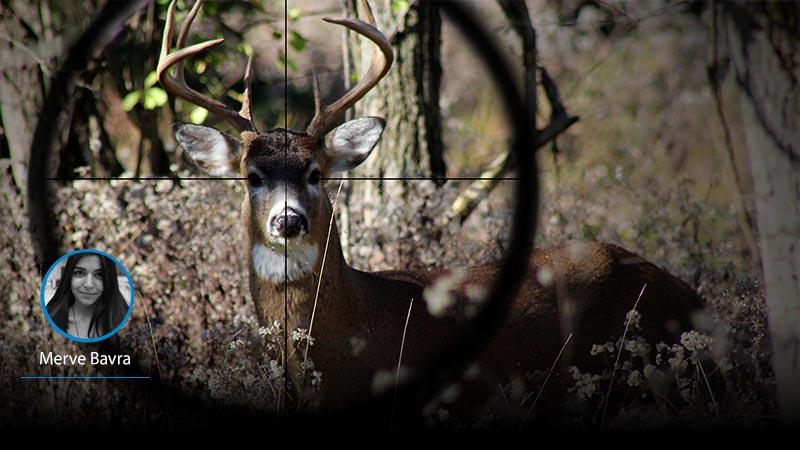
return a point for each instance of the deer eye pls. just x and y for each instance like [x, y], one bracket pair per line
[314, 176]
[254, 180]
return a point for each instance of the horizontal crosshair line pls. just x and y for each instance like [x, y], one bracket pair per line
[240, 178]
[418, 178]
[82, 377]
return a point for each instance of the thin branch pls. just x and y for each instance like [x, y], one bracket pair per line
[544, 383]
[321, 271]
[516, 11]
[708, 386]
[400, 362]
[496, 171]
[619, 353]
[553, 96]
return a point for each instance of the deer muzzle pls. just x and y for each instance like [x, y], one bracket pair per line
[288, 223]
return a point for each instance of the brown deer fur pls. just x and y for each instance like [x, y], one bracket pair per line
[599, 283]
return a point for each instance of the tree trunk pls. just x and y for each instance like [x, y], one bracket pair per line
[21, 89]
[388, 218]
[763, 43]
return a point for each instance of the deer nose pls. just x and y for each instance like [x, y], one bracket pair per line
[289, 224]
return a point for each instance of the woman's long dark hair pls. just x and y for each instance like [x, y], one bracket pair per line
[110, 308]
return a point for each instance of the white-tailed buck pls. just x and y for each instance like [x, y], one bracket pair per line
[583, 288]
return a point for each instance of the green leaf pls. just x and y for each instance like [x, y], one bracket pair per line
[238, 96]
[277, 35]
[283, 62]
[258, 6]
[150, 79]
[154, 97]
[130, 100]
[293, 13]
[245, 48]
[590, 231]
[198, 115]
[399, 5]
[297, 41]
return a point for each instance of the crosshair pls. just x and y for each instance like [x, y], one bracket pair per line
[478, 331]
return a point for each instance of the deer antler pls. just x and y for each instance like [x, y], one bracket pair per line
[176, 85]
[381, 61]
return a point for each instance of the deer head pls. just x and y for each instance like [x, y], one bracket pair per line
[285, 206]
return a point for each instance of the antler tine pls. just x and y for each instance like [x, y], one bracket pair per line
[317, 93]
[381, 60]
[183, 34]
[176, 85]
[369, 18]
[248, 92]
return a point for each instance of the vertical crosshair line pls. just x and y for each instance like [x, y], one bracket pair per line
[285, 205]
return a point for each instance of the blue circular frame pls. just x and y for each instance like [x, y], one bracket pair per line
[64, 333]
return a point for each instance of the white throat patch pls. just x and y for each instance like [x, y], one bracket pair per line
[271, 264]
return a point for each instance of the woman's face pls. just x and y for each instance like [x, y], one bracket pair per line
[87, 280]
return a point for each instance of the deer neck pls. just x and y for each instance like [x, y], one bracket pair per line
[284, 281]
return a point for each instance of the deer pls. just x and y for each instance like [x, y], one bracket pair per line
[294, 251]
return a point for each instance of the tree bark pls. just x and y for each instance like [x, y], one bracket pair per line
[388, 218]
[21, 90]
[762, 39]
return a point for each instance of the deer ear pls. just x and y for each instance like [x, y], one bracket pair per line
[351, 142]
[213, 151]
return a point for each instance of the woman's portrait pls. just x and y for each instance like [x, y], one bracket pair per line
[87, 295]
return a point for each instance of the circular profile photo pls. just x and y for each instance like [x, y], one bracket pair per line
[87, 295]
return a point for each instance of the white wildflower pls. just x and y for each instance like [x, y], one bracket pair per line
[634, 379]
[301, 334]
[238, 343]
[275, 370]
[695, 342]
[586, 385]
[608, 347]
[638, 347]
[678, 362]
[633, 318]
[316, 378]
